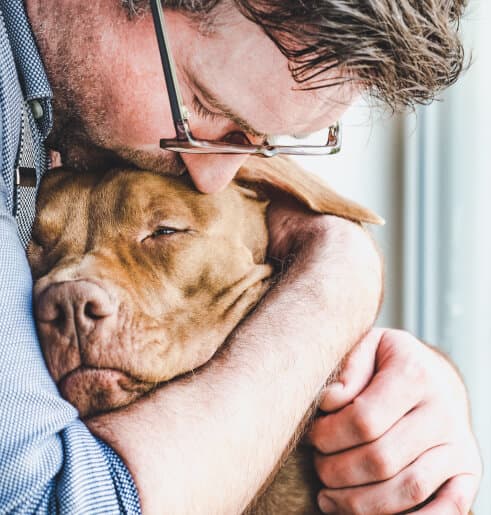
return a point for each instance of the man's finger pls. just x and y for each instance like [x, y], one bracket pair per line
[367, 418]
[356, 373]
[384, 458]
[411, 487]
[454, 498]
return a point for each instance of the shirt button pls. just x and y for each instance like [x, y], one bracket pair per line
[37, 109]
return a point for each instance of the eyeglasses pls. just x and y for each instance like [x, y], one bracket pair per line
[329, 139]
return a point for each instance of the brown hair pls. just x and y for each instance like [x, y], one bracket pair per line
[404, 52]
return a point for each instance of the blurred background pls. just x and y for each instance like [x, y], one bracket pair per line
[429, 175]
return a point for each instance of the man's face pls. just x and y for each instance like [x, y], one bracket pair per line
[110, 96]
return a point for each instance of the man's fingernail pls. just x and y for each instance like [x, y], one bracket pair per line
[326, 505]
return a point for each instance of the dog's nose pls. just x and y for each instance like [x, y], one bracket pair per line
[75, 306]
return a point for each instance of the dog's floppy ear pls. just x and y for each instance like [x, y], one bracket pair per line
[282, 173]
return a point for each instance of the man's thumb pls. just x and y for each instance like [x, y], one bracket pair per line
[355, 375]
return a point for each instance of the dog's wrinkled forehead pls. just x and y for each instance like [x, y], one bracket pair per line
[130, 214]
[123, 199]
[131, 196]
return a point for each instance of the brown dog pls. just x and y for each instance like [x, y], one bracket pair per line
[139, 278]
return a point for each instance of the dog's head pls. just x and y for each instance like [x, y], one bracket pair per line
[140, 278]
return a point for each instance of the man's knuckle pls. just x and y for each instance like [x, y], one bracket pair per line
[397, 335]
[354, 505]
[315, 436]
[319, 437]
[327, 471]
[408, 337]
[332, 471]
[324, 471]
[407, 345]
[416, 488]
[458, 505]
[364, 421]
[379, 463]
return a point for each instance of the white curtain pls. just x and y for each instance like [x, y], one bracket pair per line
[429, 175]
[447, 266]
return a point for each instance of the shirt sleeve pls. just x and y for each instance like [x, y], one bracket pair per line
[49, 461]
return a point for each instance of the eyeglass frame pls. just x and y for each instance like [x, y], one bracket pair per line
[185, 142]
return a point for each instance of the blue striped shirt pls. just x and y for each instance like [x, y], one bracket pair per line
[49, 461]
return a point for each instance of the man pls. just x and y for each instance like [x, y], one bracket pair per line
[206, 444]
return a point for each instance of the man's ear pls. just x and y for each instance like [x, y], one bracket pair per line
[283, 174]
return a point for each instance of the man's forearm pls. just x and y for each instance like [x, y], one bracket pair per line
[207, 443]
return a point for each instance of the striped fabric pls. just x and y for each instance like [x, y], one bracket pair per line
[49, 461]
[27, 166]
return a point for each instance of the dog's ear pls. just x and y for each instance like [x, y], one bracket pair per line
[283, 174]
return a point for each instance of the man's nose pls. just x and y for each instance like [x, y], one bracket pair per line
[212, 172]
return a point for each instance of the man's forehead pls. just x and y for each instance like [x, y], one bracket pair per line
[282, 107]
[241, 68]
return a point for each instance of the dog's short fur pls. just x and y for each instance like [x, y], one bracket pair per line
[139, 278]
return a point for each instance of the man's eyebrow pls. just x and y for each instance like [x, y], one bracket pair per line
[211, 99]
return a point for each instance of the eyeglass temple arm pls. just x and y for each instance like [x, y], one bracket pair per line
[175, 99]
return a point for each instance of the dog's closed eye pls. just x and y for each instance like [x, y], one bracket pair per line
[163, 231]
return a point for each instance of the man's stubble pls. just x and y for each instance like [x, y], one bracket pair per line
[80, 149]
[80, 132]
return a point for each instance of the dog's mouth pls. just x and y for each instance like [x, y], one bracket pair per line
[97, 390]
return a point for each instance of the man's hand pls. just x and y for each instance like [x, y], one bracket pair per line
[398, 430]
